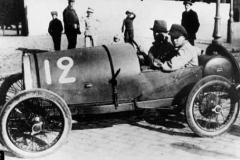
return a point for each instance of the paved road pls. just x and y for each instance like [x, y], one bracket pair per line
[128, 136]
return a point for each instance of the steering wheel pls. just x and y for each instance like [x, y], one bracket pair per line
[142, 56]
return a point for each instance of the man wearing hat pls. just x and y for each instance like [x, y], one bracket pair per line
[55, 29]
[91, 26]
[71, 24]
[162, 49]
[128, 25]
[190, 21]
[186, 56]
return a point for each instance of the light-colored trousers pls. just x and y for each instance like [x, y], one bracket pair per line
[90, 41]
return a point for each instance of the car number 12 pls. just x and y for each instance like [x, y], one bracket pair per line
[65, 67]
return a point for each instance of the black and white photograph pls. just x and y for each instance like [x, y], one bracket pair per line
[119, 79]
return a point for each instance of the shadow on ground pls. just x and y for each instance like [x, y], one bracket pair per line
[150, 119]
[194, 149]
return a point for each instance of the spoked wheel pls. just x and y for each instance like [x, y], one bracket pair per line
[35, 123]
[212, 106]
[10, 87]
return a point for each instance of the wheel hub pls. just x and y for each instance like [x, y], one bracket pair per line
[37, 127]
[217, 109]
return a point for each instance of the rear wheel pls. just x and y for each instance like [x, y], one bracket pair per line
[212, 106]
[35, 123]
[10, 87]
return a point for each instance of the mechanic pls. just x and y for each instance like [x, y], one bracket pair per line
[55, 29]
[91, 26]
[71, 24]
[186, 54]
[161, 49]
[128, 25]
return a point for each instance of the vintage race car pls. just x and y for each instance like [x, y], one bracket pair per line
[53, 86]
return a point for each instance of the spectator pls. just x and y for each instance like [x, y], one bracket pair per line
[55, 30]
[190, 21]
[128, 25]
[91, 26]
[71, 24]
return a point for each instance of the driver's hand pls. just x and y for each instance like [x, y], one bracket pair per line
[141, 48]
[157, 63]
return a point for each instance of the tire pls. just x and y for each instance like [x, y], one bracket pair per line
[212, 106]
[10, 87]
[35, 123]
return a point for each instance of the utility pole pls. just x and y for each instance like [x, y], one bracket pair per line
[230, 21]
[216, 34]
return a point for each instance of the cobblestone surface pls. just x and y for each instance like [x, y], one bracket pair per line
[134, 136]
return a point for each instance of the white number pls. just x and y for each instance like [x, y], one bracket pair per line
[47, 72]
[65, 67]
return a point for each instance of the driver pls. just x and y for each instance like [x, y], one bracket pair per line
[186, 54]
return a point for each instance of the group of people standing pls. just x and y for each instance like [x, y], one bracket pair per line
[167, 55]
[72, 27]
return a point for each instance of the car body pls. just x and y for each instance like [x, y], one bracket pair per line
[109, 78]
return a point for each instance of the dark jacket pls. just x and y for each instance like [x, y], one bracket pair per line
[55, 27]
[162, 50]
[191, 23]
[70, 18]
[128, 23]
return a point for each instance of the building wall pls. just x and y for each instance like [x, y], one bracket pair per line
[112, 12]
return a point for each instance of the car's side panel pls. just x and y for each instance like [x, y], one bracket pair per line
[82, 76]
[160, 85]
[78, 75]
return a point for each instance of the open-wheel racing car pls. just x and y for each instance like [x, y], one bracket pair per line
[38, 103]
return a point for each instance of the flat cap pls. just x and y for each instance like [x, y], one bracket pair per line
[116, 36]
[177, 30]
[128, 11]
[90, 10]
[54, 13]
[187, 2]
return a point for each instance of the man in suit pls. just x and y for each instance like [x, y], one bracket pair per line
[71, 24]
[190, 21]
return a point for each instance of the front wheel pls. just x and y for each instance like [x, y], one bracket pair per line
[212, 106]
[35, 123]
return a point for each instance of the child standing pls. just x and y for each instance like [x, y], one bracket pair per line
[55, 30]
[91, 26]
[128, 25]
